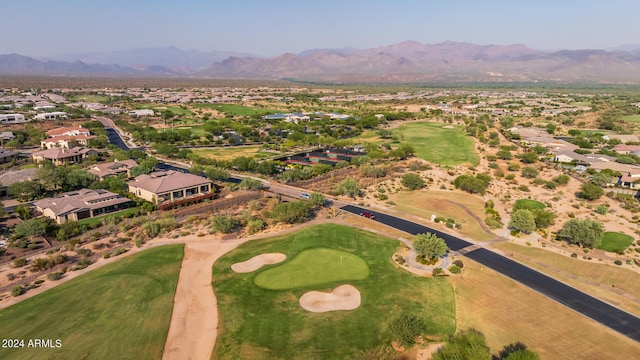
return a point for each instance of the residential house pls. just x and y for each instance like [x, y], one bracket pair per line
[10, 177]
[115, 168]
[630, 179]
[51, 115]
[81, 204]
[624, 149]
[168, 186]
[66, 141]
[61, 156]
[7, 155]
[142, 112]
[12, 119]
[68, 131]
[7, 136]
[569, 156]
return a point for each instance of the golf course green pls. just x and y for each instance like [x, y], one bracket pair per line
[260, 314]
[310, 268]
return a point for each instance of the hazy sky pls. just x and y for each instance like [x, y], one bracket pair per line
[271, 27]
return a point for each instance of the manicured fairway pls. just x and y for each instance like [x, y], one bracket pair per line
[314, 267]
[529, 204]
[615, 241]
[434, 143]
[258, 323]
[120, 311]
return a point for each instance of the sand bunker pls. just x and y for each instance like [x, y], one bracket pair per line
[344, 297]
[257, 262]
[447, 127]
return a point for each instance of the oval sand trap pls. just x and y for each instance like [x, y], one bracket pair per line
[257, 262]
[344, 297]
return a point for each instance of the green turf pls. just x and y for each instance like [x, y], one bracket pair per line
[258, 323]
[615, 241]
[314, 267]
[134, 211]
[120, 311]
[433, 143]
[632, 118]
[236, 110]
[529, 204]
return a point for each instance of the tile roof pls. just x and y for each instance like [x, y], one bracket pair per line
[112, 168]
[75, 201]
[165, 181]
[67, 130]
[61, 153]
[11, 177]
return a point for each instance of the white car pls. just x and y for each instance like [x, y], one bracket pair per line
[305, 196]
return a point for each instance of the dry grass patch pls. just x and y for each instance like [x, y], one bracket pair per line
[506, 312]
[593, 277]
[424, 203]
[231, 152]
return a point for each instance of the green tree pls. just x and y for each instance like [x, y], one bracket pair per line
[51, 176]
[31, 227]
[543, 218]
[517, 351]
[293, 212]
[216, 173]
[529, 157]
[590, 191]
[317, 199]
[474, 184]
[25, 190]
[429, 245]
[584, 232]
[562, 179]
[250, 184]
[413, 181]
[24, 211]
[523, 220]
[529, 172]
[406, 328]
[504, 154]
[224, 223]
[467, 344]
[601, 179]
[139, 170]
[348, 187]
[78, 179]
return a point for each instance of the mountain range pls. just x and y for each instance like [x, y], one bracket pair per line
[406, 62]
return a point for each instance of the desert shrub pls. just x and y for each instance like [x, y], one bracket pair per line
[54, 276]
[618, 262]
[413, 181]
[454, 269]
[19, 262]
[17, 290]
[437, 272]
[255, 225]
[458, 263]
[602, 209]
[49, 262]
[106, 255]
[224, 224]
[81, 264]
[406, 328]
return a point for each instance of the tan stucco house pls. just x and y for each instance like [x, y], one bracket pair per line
[168, 186]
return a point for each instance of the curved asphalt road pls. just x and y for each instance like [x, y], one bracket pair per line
[608, 315]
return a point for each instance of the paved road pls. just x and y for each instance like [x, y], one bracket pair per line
[608, 315]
